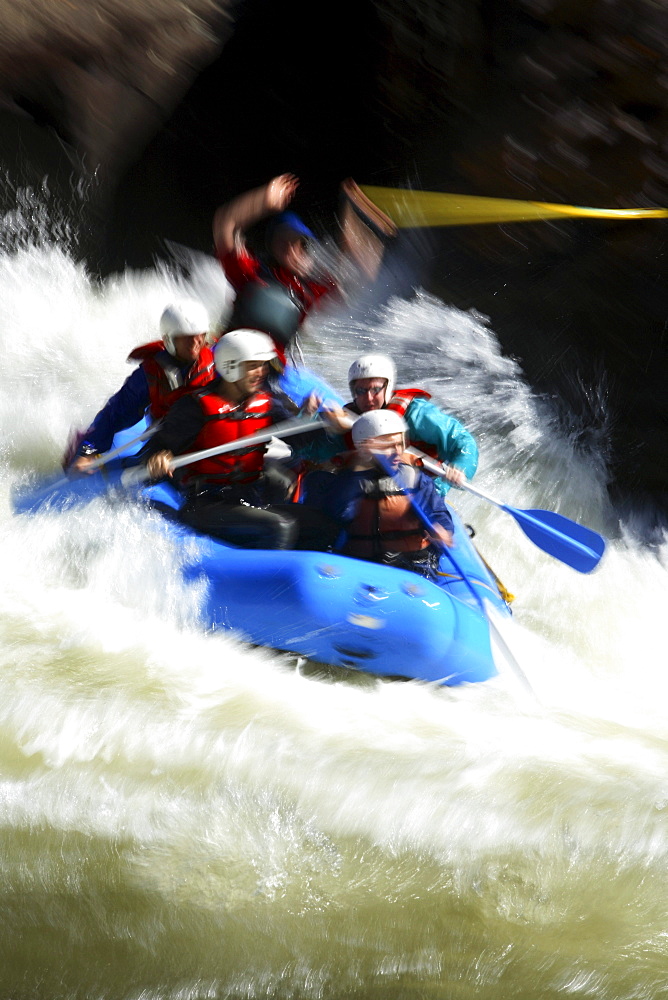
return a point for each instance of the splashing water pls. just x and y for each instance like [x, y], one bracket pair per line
[188, 817]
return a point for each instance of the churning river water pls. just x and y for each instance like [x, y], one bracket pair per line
[186, 817]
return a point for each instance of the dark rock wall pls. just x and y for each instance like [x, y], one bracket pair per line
[291, 91]
[552, 101]
[105, 74]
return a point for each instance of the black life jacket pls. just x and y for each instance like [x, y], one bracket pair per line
[269, 305]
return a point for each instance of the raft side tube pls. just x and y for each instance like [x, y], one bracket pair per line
[344, 612]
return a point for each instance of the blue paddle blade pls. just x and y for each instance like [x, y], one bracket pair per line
[55, 493]
[300, 383]
[60, 493]
[130, 441]
[566, 540]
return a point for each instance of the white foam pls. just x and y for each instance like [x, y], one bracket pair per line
[109, 679]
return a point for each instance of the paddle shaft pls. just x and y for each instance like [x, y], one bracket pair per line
[438, 469]
[486, 612]
[412, 209]
[282, 430]
[428, 524]
[97, 463]
[286, 429]
[569, 549]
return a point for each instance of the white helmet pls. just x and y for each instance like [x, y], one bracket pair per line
[239, 346]
[374, 366]
[185, 318]
[375, 423]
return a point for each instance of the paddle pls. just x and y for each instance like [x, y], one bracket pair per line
[413, 209]
[66, 491]
[486, 610]
[70, 489]
[395, 473]
[82, 489]
[282, 430]
[97, 463]
[577, 546]
[300, 383]
[365, 230]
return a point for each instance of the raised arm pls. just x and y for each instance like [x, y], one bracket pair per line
[234, 217]
[365, 230]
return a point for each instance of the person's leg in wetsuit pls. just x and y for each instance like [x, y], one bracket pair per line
[240, 523]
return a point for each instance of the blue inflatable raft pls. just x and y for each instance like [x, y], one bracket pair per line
[329, 608]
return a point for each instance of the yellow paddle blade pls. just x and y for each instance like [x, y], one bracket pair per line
[412, 209]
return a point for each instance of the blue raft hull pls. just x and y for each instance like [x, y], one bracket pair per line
[330, 608]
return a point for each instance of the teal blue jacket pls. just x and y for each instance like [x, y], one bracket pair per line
[427, 425]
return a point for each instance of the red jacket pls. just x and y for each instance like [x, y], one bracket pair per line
[225, 422]
[166, 379]
[400, 402]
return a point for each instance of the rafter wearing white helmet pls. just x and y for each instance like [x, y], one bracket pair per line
[239, 346]
[377, 423]
[183, 318]
[373, 366]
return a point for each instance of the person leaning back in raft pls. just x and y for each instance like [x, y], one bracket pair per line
[276, 290]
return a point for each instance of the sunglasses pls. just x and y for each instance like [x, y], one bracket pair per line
[374, 390]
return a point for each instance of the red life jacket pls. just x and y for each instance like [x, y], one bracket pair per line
[403, 398]
[225, 422]
[385, 520]
[166, 380]
[400, 402]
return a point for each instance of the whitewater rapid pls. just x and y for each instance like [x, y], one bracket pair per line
[184, 816]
